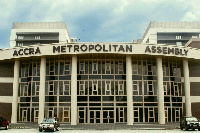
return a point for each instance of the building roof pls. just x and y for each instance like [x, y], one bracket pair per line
[172, 25]
[40, 25]
[184, 25]
[194, 43]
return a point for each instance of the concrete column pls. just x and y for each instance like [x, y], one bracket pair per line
[74, 91]
[42, 89]
[161, 108]
[15, 92]
[129, 88]
[187, 88]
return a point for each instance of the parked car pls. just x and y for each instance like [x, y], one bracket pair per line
[4, 123]
[189, 123]
[49, 124]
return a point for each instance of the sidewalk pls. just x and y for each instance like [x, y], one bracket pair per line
[136, 126]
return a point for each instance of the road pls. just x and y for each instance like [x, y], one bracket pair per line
[97, 131]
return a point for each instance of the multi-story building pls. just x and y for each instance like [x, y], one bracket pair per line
[172, 33]
[99, 82]
[25, 34]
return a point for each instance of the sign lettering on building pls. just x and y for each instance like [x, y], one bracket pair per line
[166, 50]
[103, 48]
[88, 48]
[27, 51]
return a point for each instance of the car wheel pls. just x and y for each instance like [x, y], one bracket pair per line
[7, 127]
[181, 128]
[53, 130]
[40, 130]
[199, 129]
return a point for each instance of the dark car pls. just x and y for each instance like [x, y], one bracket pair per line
[49, 124]
[190, 123]
[4, 123]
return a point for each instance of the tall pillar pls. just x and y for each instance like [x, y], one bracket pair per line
[187, 88]
[161, 110]
[74, 91]
[15, 92]
[42, 89]
[129, 88]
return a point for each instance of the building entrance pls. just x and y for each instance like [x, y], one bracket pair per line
[81, 116]
[102, 91]
[101, 116]
[36, 113]
[94, 116]
[108, 116]
[24, 115]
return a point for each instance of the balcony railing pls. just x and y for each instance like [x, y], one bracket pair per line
[174, 38]
[34, 39]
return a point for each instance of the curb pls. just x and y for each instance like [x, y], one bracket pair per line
[12, 127]
[100, 128]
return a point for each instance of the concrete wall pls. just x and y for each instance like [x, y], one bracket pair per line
[6, 110]
[195, 110]
[6, 89]
[194, 73]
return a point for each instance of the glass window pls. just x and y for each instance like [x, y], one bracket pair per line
[25, 70]
[61, 68]
[178, 37]
[37, 43]
[135, 67]
[165, 88]
[66, 91]
[64, 88]
[51, 68]
[82, 87]
[94, 68]
[137, 87]
[120, 68]
[25, 90]
[67, 68]
[20, 37]
[20, 44]
[36, 69]
[94, 88]
[51, 88]
[37, 37]
[120, 88]
[108, 88]
[108, 67]
[37, 88]
[178, 43]
[82, 66]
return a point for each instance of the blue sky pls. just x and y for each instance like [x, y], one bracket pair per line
[96, 20]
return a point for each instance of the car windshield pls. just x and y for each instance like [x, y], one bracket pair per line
[191, 119]
[48, 120]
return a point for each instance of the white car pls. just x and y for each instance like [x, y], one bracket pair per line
[49, 124]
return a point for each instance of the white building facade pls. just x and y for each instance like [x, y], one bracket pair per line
[99, 82]
[171, 33]
[35, 33]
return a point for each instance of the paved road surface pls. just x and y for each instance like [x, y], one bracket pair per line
[98, 131]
